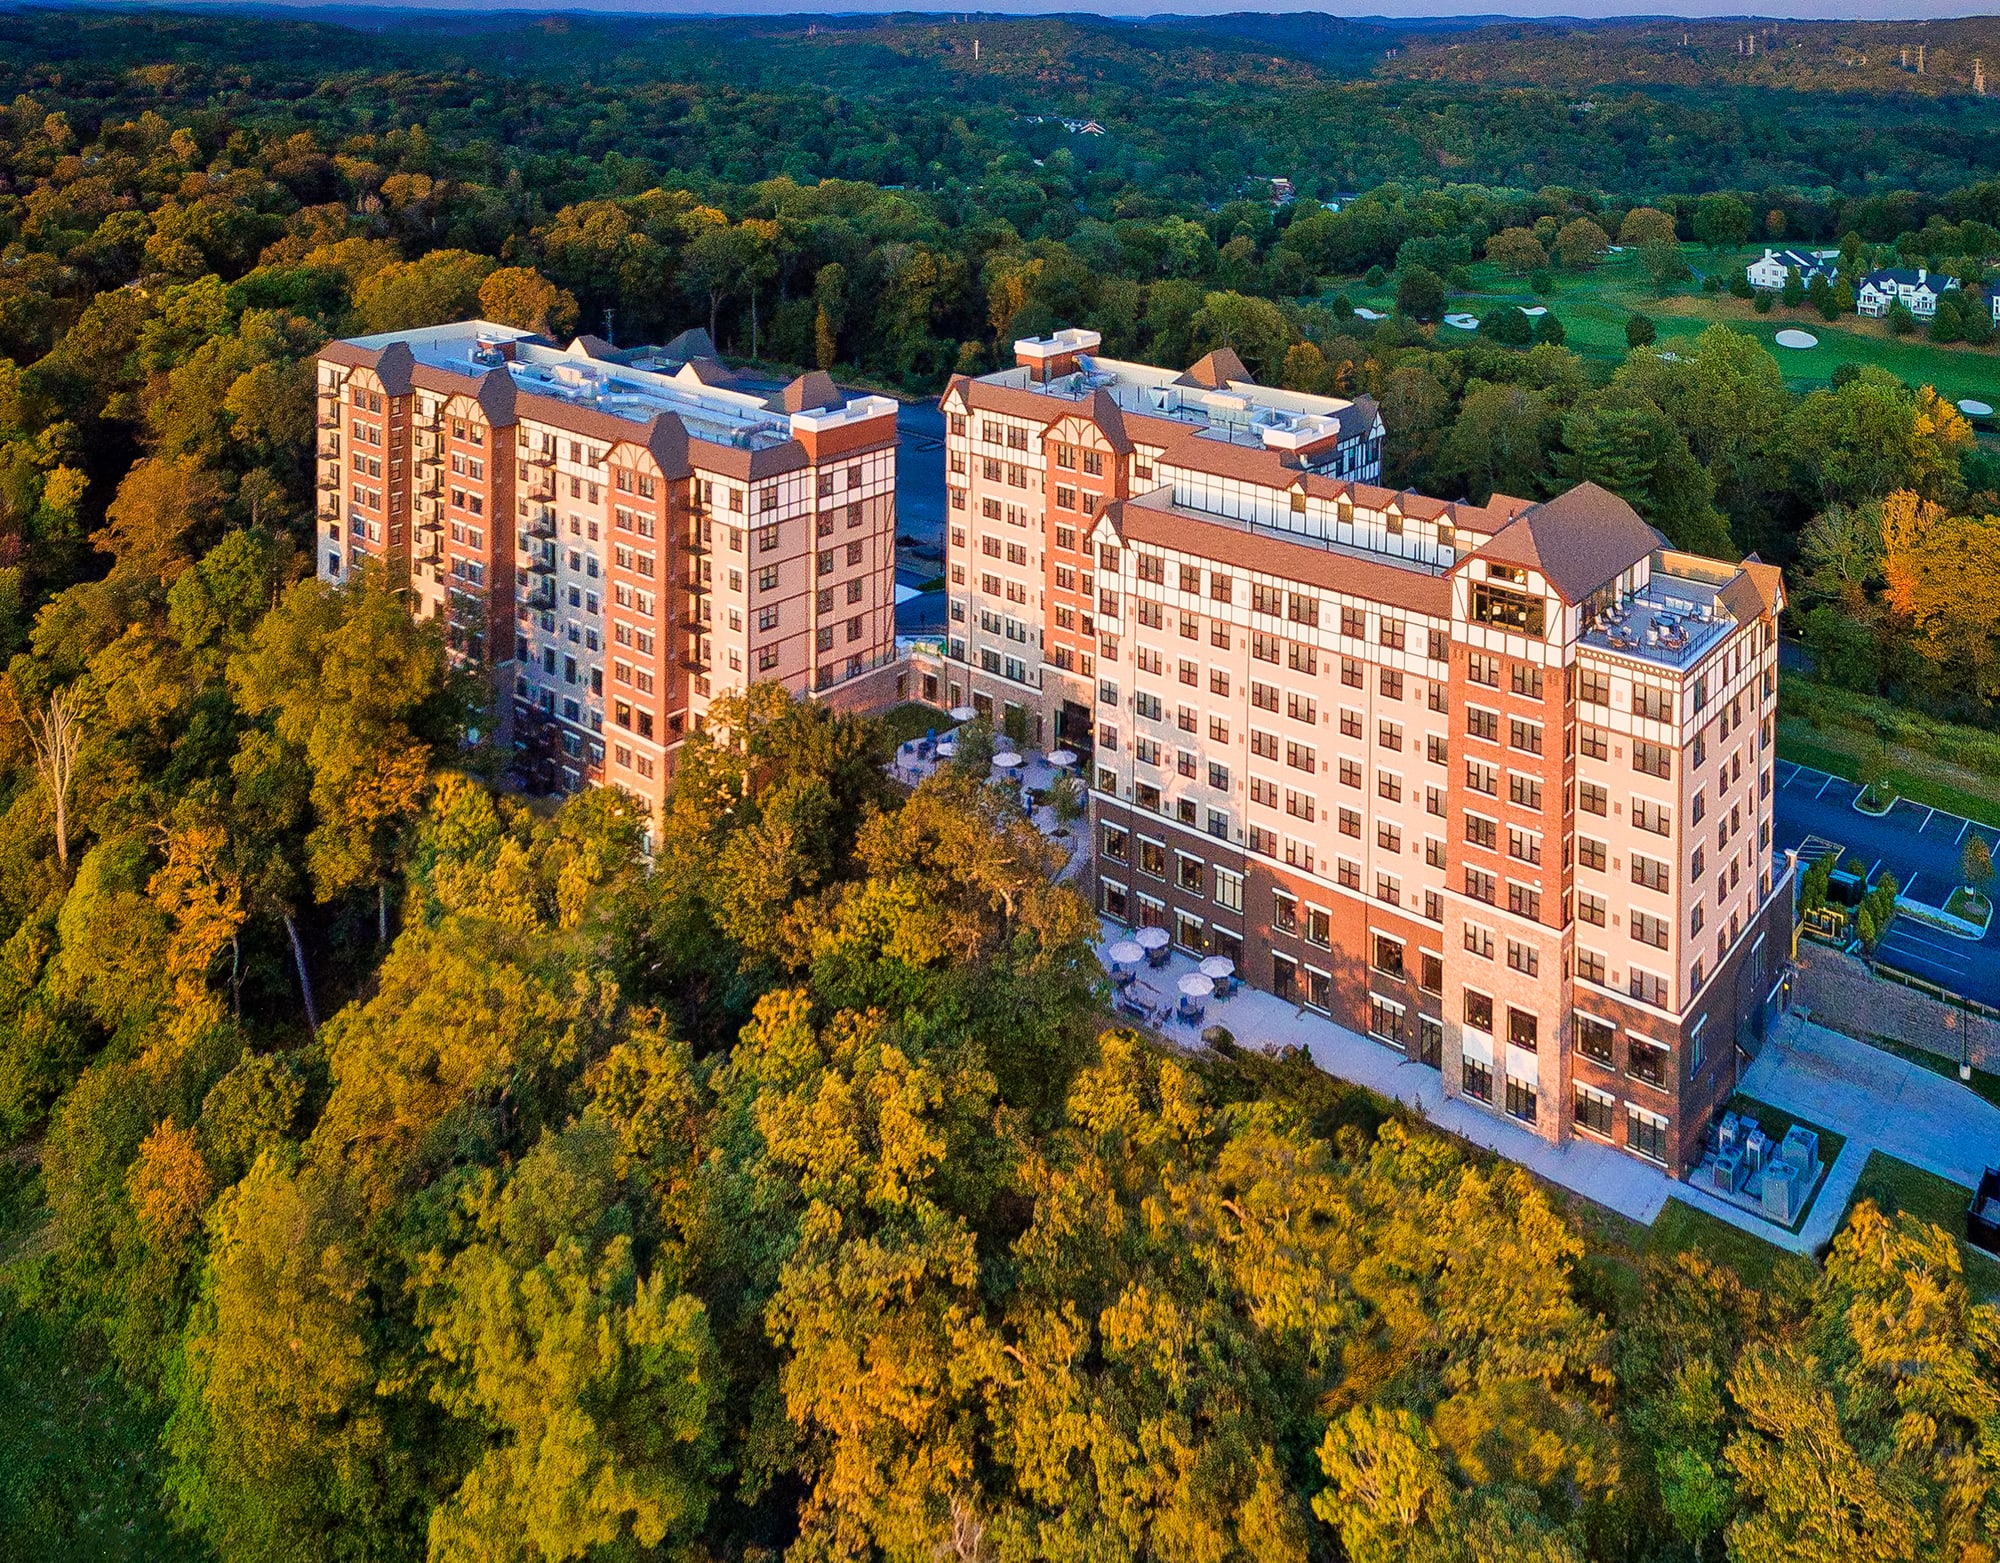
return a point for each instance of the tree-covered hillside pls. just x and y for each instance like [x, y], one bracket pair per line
[392, 1166]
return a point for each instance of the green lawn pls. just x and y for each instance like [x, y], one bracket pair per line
[1594, 306]
[1680, 1228]
[1897, 1186]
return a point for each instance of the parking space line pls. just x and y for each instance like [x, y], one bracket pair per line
[1869, 877]
[1955, 840]
[1822, 788]
[1791, 778]
[1929, 814]
[1919, 874]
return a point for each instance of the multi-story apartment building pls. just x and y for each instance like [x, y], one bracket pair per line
[618, 536]
[1492, 784]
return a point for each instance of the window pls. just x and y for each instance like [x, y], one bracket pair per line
[1479, 1010]
[1527, 680]
[1523, 958]
[1590, 908]
[1647, 929]
[1522, 1029]
[1653, 817]
[1520, 1099]
[1650, 872]
[1508, 609]
[1524, 901]
[1593, 799]
[1385, 1020]
[1525, 736]
[1354, 623]
[1589, 966]
[1482, 832]
[1301, 708]
[1482, 669]
[1593, 686]
[1652, 759]
[1229, 889]
[1479, 941]
[1116, 843]
[1524, 791]
[1646, 1133]
[1388, 955]
[1188, 873]
[1480, 723]
[1590, 852]
[1284, 913]
[1647, 987]
[1480, 885]
[1593, 1110]
[1524, 846]
[1594, 1039]
[1319, 927]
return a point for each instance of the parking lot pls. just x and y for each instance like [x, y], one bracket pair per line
[1921, 846]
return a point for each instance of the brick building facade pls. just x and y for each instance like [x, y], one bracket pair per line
[616, 537]
[1491, 784]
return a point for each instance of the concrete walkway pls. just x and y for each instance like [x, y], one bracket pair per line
[1876, 1100]
[1635, 1189]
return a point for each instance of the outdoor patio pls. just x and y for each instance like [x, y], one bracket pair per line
[1794, 1071]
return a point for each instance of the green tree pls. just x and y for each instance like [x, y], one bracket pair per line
[1721, 221]
[1420, 293]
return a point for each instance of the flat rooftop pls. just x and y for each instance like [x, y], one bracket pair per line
[637, 384]
[1215, 397]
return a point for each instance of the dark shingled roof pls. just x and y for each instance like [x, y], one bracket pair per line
[691, 343]
[394, 364]
[1577, 541]
[1216, 370]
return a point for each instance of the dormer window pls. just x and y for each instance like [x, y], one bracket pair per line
[1298, 503]
[1507, 572]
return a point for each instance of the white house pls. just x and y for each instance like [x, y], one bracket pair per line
[1993, 298]
[1775, 266]
[1917, 290]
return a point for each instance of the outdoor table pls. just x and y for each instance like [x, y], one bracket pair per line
[1221, 970]
[1063, 758]
[962, 713]
[947, 747]
[1154, 942]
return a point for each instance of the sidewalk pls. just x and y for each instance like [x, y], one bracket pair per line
[1878, 1101]
[1258, 1021]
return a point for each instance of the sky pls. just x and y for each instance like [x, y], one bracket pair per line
[1820, 10]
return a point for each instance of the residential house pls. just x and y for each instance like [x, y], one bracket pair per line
[1770, 271]
[1918, 290]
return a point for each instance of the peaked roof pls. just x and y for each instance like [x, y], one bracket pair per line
[810, 392]
[1577, 541]
[1216, 370]
[394, 365]
[691, 343]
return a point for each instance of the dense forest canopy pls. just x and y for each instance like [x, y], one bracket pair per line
[395, 1167]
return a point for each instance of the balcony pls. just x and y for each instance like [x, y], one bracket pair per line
[330, 445]
[328, 419]
[329, 482]
[535, 457]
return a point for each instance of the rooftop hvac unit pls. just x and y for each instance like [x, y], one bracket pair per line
[1782, 1192]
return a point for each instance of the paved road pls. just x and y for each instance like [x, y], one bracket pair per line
[1921, 846]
